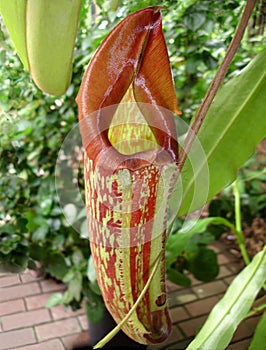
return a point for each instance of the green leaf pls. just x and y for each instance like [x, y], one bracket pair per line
[7, 228]
[94, 304]
[199, 239]
[77, 257]
[203, 265]
[84, 229]
[232, 308]
[259, 337]
[177, 277]
[95, 288]
[233, 127]
[55, 299]
[209, 60]
[24, 127]
[57, 266]
[38, 253]
[74, 288]
[46, 205]
[27, 110]
[35, 221]
[91, 274]
[69, 275]
[70, 212]
[40, 233]
[95, 308]
[177, 242]
[82, 213]
[194, 21]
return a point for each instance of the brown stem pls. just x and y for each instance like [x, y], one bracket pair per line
[212, 91]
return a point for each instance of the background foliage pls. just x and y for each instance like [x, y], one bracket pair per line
[33, 126]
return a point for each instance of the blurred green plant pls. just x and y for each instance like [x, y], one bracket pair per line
[239, 203]
[251, 183]
[187, 251]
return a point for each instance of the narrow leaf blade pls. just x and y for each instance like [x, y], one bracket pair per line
[260, 335]
[232, 308]
[233, 127]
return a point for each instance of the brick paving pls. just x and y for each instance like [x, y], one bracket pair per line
[25, 323]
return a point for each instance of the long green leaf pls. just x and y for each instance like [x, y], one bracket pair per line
[234, 125]
[232, 308]
[259, 338]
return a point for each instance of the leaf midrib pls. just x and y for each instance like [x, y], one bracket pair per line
[212, 150]
[258, 265]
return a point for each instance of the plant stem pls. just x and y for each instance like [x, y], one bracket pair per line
[212, 91]
[238, 224]
[257, 309]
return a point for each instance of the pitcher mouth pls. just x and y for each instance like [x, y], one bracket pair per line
[124, 141]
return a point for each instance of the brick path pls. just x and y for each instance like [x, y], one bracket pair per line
[25, 323]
